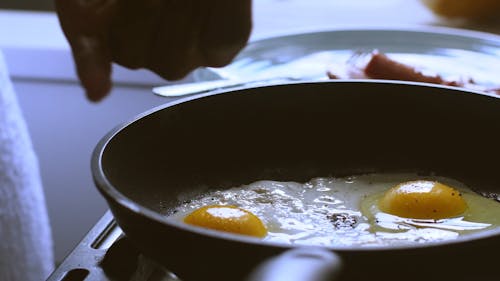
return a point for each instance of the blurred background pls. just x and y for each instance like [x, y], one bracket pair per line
[36, 5]
[65, 127]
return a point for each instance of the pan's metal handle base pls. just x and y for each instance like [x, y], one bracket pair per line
[299, 264]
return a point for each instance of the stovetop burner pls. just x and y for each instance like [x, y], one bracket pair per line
[105, 254]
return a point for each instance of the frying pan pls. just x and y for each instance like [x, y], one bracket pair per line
[295, 132]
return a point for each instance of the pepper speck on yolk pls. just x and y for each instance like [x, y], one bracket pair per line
[423, 200]
[227, 218]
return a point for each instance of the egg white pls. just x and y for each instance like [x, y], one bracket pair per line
[343, 211]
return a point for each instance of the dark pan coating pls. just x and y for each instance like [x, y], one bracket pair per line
[146, 167]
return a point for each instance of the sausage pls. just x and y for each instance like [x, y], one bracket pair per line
[380, 66]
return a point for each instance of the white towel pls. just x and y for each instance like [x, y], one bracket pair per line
[26, 251]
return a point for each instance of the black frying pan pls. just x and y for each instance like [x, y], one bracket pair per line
[148, 166]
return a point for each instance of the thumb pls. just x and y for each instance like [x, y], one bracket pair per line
[85, 24]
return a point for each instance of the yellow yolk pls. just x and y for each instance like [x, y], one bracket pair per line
[227, 218]
[423, 200]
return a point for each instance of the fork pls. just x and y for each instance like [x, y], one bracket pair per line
[207, 86]
[247, 67]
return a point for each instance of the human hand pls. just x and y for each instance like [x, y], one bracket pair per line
[169, 37]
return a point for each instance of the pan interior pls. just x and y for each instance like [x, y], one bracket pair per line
[300, 131]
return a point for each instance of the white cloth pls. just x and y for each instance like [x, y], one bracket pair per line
[26, 251]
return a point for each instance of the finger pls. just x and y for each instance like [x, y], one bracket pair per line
[93, 66]
[226, 30]
[85, 24]
[132, 31]
[174, 51]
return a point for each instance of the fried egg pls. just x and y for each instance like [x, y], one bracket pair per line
[423, 199]
[227, 218]
[362, 210]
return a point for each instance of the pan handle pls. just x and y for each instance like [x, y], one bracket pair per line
[299, 264]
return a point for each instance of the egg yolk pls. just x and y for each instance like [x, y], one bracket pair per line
[227, 218]
[423, 200]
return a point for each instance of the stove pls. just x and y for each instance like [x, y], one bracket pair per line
[105, 254]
